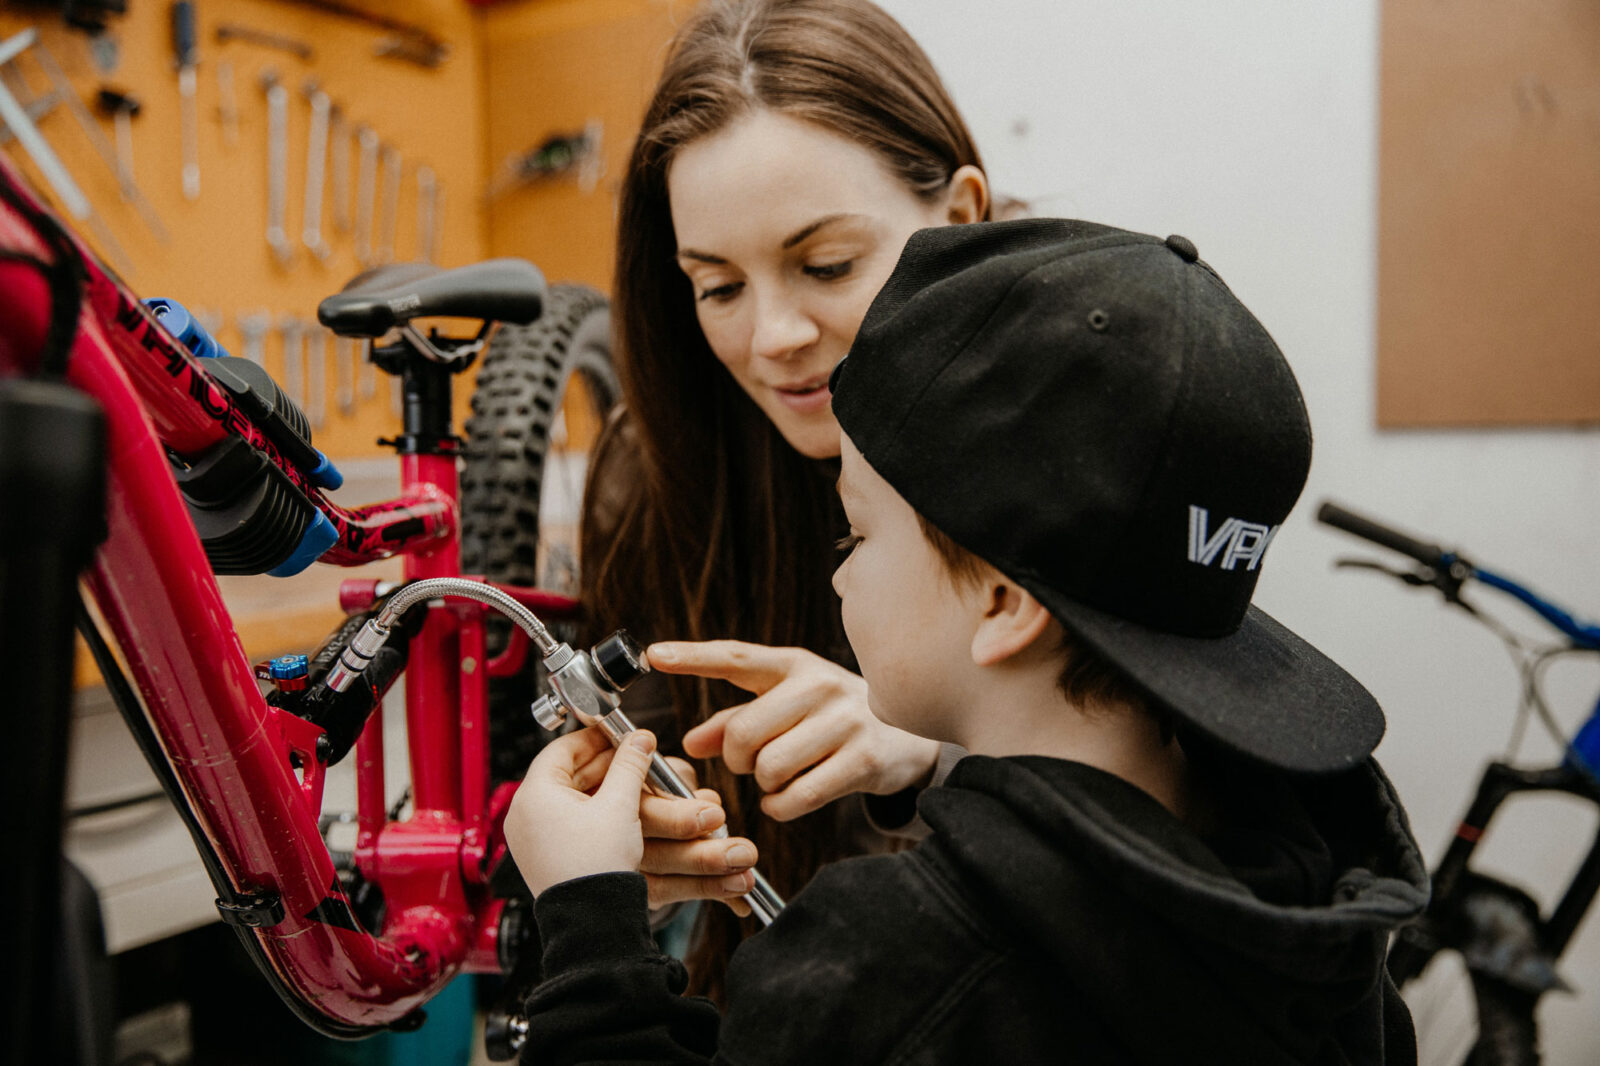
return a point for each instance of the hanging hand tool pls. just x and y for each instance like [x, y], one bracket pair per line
[427, 215]
[183, 50]
[339, 164]
[390, 224]
[233, 31]
[557, 156]
[345, 353]
[277, 166]
[62, 89]
[254, 328]
[14, 115]
[316, 407]
[369, 371]
[366, 193]
[122, 108]
[410, 41]
[227, 104]
[316, 162]
[294, 359]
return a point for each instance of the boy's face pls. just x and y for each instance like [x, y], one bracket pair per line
[910, 624]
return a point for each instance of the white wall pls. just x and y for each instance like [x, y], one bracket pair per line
[1250, 126]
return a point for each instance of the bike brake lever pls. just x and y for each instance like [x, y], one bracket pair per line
[1423, 578]
[1446, 581]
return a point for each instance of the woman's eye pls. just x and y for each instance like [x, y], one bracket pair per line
[830, 271]
[720, 293]
[848, 544]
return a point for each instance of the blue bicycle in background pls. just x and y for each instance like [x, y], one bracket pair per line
[1509, 946]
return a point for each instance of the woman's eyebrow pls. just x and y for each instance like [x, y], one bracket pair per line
[805, 231]
[788, 242]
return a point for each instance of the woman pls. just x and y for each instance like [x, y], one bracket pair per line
[791, 148]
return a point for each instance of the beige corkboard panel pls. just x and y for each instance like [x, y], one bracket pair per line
[1489, 213]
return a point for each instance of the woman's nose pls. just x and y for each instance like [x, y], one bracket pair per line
[781, 329]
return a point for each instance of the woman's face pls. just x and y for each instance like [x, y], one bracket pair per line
[786, 232]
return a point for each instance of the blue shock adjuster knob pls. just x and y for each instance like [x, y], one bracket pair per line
[182, 325]
[287, 667]
[288, 672]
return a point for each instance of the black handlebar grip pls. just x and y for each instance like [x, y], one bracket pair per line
[1423, 552]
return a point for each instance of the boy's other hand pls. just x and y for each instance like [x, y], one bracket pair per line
[577, 811]
[808, 736]
[680, 862]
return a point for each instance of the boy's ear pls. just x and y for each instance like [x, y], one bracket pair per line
[1012, 621]
[967, 197]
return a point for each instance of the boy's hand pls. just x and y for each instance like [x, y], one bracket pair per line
[556, 831]
[808, 736]
[680, 863]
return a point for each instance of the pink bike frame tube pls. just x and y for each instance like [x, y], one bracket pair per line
[154, 588]
[229, 751]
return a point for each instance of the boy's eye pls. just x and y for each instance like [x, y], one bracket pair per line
[848, 544]
[830, 271]
[720, 293]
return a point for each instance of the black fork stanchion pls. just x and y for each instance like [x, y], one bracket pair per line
[52, 517]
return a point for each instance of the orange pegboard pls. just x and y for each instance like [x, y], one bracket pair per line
[217, 260]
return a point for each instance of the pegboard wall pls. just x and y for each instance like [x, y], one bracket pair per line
[421, 126]
[524, 127]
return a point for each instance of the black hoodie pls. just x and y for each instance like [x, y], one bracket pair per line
[1055, 914]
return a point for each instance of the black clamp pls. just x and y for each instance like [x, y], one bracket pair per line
[252, 912]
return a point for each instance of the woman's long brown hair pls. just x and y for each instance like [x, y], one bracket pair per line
[723, 529]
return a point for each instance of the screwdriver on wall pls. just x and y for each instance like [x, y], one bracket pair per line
[183, 49]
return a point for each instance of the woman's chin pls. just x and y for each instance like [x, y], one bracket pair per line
[815, 436]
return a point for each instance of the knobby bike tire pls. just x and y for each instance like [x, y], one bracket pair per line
[1508, 1033]
[519, 393]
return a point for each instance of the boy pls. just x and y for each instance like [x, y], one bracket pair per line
[1067, 450]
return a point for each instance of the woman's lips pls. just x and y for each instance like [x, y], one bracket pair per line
[805, 397]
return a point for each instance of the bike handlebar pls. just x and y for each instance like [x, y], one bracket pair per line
[1452, 571]
[1423, 552]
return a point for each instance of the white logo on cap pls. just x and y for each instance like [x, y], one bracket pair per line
[1235, 540]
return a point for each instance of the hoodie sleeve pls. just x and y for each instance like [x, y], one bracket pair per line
[609, 995]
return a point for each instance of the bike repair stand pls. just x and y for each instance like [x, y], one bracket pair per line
[52, 517]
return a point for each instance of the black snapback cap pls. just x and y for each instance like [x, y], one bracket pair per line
[1094, 413]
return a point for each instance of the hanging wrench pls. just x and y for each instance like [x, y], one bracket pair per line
[339, 135]
[227, 103]
[124, 171]
[277, 165]
[390, 223]
[294, 360]
[344, 372]
[14, 116]
[317, 357]
[253, 329]
[367, 191]
[183, 50]
[427, 215]
[316, 161]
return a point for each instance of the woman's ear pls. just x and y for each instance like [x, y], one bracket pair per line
[967, 196]
[1012, 622]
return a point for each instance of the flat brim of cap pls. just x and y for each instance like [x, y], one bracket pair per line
[1261, 692]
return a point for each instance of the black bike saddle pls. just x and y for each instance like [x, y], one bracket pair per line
[378, 300]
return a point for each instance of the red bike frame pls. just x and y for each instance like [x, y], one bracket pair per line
[246, 769]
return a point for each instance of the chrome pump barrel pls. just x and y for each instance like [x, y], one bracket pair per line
[585, 685]
[590, 686]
